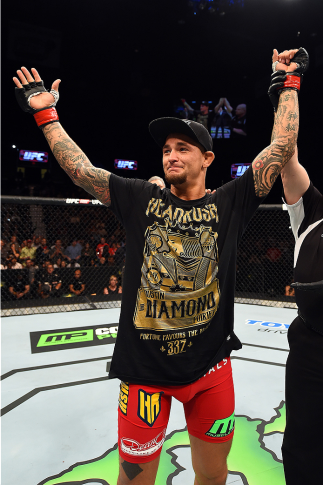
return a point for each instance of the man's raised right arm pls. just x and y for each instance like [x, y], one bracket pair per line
[76, 164]
[33, 98]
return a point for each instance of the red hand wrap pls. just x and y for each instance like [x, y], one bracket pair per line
[46, 116]
[292, 82]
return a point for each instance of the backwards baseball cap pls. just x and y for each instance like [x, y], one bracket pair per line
[161, 128]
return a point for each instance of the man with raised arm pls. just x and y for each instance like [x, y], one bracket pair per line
[302, 444]
[176, 323]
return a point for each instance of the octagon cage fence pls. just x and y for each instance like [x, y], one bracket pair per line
[61, 255]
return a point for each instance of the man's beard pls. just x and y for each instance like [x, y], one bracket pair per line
[175, 178]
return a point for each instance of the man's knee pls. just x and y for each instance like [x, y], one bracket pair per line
[218, 477]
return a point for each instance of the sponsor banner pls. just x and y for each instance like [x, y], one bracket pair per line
[125, 164]
[70, 338]
[132, 447]
[83, 201]
[32, 156]
[267, 324]
[238, 169]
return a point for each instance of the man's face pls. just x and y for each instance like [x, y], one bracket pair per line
[13, 239]
[241, 110]
[29, 263]
[77, 274]
[43, 241]
[102, 260]
[204, 109]
[58, 243]
[74, 243]
[102, 240]
[182, 159]
[50, 268]
[13, 261]
[110, 260]
[29, 243]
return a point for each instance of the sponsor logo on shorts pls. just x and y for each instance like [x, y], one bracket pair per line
[222, 427]
[123, 397]
[149, 406]
[132, 447]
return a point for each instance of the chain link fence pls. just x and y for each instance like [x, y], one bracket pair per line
[68, 254]
[59, 255]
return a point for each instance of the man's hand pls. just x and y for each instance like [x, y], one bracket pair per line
[284, 60]
[40, 97]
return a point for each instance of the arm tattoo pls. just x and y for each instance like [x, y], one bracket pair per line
[269, 163]
[76, 164]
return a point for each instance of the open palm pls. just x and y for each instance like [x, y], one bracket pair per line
[42, 100]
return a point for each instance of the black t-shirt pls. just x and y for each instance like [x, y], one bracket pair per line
[20, 281]
[176, 318]
[77, 284]
[307, 224]
[51, 278]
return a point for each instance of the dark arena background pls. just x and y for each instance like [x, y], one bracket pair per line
[122, 64]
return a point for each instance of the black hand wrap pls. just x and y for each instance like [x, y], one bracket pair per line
[22, 95]
[281, 79]
[42, 116]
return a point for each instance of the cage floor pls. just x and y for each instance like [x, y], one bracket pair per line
[59, 412]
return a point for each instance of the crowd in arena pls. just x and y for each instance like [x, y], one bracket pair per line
[55, 270]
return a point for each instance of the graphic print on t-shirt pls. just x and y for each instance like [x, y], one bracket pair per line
[179, 288]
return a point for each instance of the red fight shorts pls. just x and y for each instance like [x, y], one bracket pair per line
[144, 412]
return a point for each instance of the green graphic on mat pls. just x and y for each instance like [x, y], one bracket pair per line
[65, 338]
[221, 427]
[248, 457]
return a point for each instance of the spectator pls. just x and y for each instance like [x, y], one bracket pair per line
[42, 252]
[238, 122]
[13, 253]
[28, 252]
[57, 251]
[13, 240]
[73, 252]
[32, 269]
[102, 262]
[50, 283]
[100, 247]
[158, 181]
[4, 251]
[13, 264]
[77, 286]
[58, 263]
[19, 289]
[119, 256]
[112, 267]
[37, 241]
[87, 255]
[113, 249]
[113, 287]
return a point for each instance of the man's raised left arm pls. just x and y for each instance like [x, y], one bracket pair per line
[283, 93]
